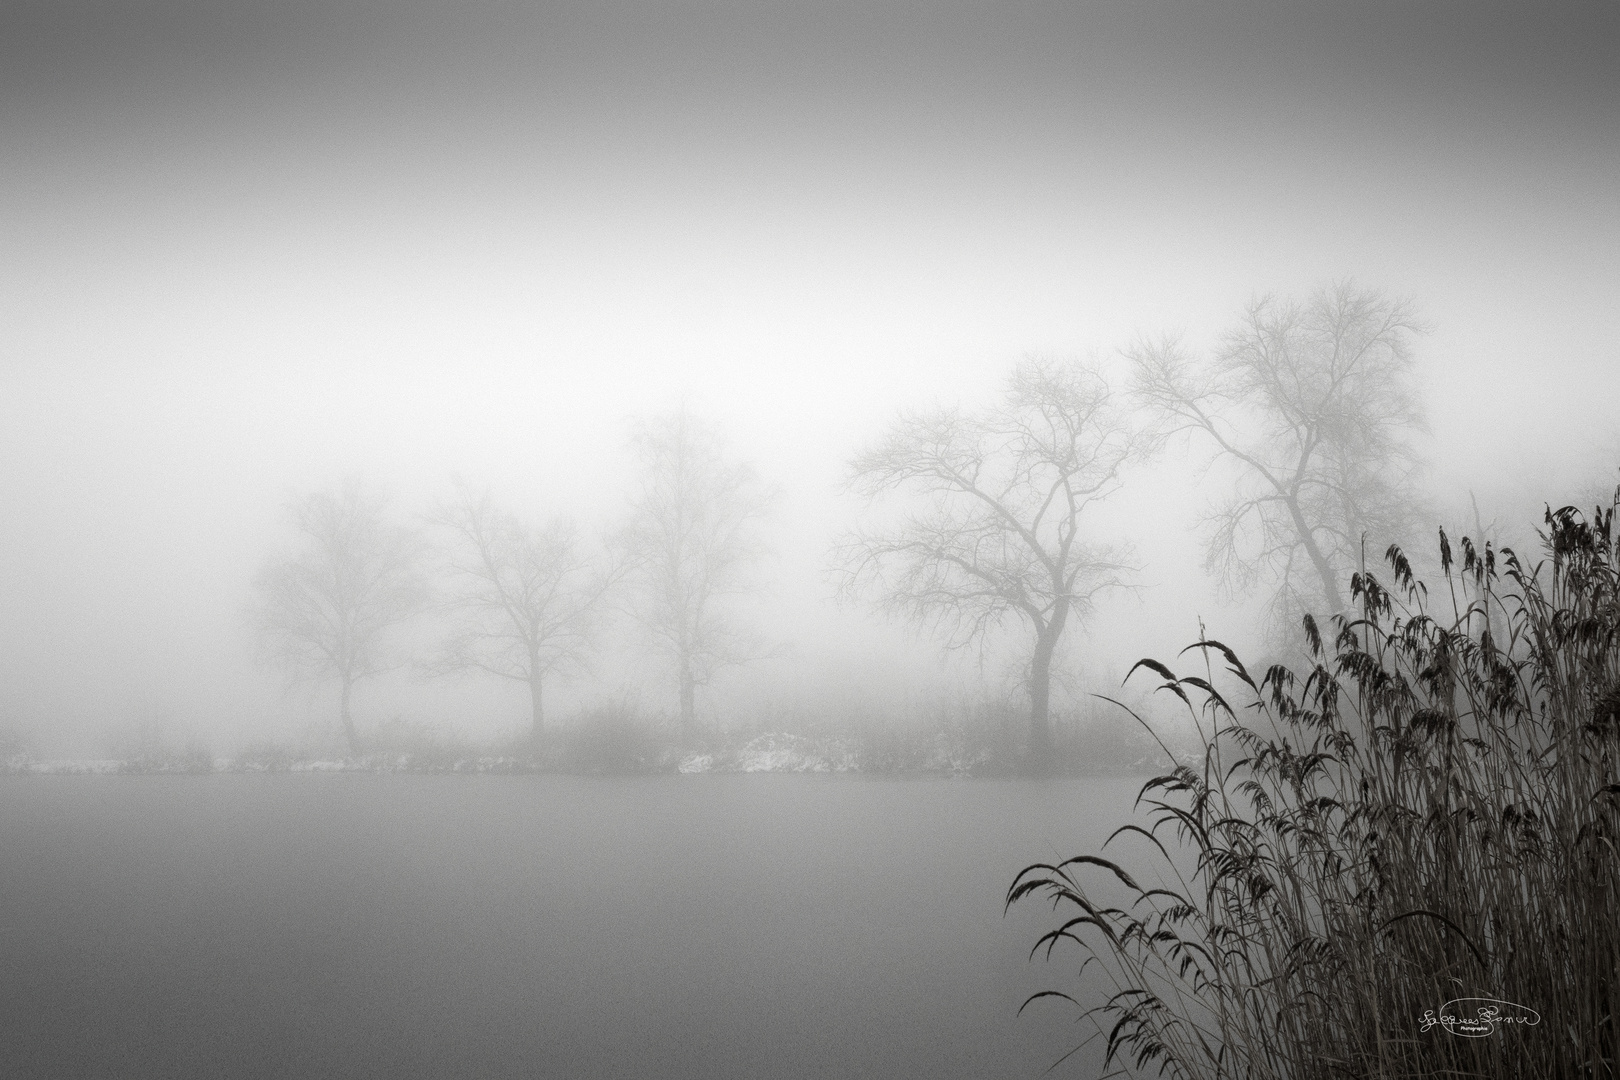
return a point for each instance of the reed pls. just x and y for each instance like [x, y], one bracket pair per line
[1429, 814]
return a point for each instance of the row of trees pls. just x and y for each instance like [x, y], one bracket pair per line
[524, 601]
[1306, 410]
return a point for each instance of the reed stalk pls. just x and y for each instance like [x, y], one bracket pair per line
[1428, 814]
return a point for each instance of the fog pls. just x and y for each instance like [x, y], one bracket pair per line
[252, 250]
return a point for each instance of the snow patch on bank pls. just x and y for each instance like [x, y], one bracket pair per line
[62, 766]
[777, 752]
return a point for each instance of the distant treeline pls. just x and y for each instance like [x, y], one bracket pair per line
[978, 523]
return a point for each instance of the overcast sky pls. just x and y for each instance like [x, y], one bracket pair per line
[251, 248]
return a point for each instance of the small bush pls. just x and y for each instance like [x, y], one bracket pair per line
[150, 748]
[1094, 742]
[16, 749]
[612, 737]
[1430, 815]
[414, 746]
[267, 756]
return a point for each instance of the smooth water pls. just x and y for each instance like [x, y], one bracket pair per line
[536, 926]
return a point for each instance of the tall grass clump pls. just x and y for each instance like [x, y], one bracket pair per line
[1428, 816]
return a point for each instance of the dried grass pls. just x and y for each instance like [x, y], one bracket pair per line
[1429, 814]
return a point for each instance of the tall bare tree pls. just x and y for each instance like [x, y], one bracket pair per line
[694, 536]
[999, 533]
[1311, 403]
[326, 611]
[526, 597]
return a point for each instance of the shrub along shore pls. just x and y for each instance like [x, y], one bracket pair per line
[618, 741]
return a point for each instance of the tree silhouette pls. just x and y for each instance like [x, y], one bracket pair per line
[999, 531]
[693, 536]
[1312, 406]
[325, 612]
[526, 598]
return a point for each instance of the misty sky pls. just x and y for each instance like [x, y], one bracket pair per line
[251, 248]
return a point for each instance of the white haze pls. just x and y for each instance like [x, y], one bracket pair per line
[248, 255]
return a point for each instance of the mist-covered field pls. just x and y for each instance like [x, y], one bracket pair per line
[410, 926]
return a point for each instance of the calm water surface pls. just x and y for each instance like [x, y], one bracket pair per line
[422, 926]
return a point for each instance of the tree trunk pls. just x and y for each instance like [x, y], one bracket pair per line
[536, 712]
[348, 720]
[1040, 687]
[1330, 583]
[1040, 697]
[688, 700]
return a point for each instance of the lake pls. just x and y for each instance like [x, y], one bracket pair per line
[366, 925]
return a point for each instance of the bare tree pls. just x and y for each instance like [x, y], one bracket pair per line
[694, 537]
[1000, 535]
[527, 597]
[1312, 404]
[326, 611]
